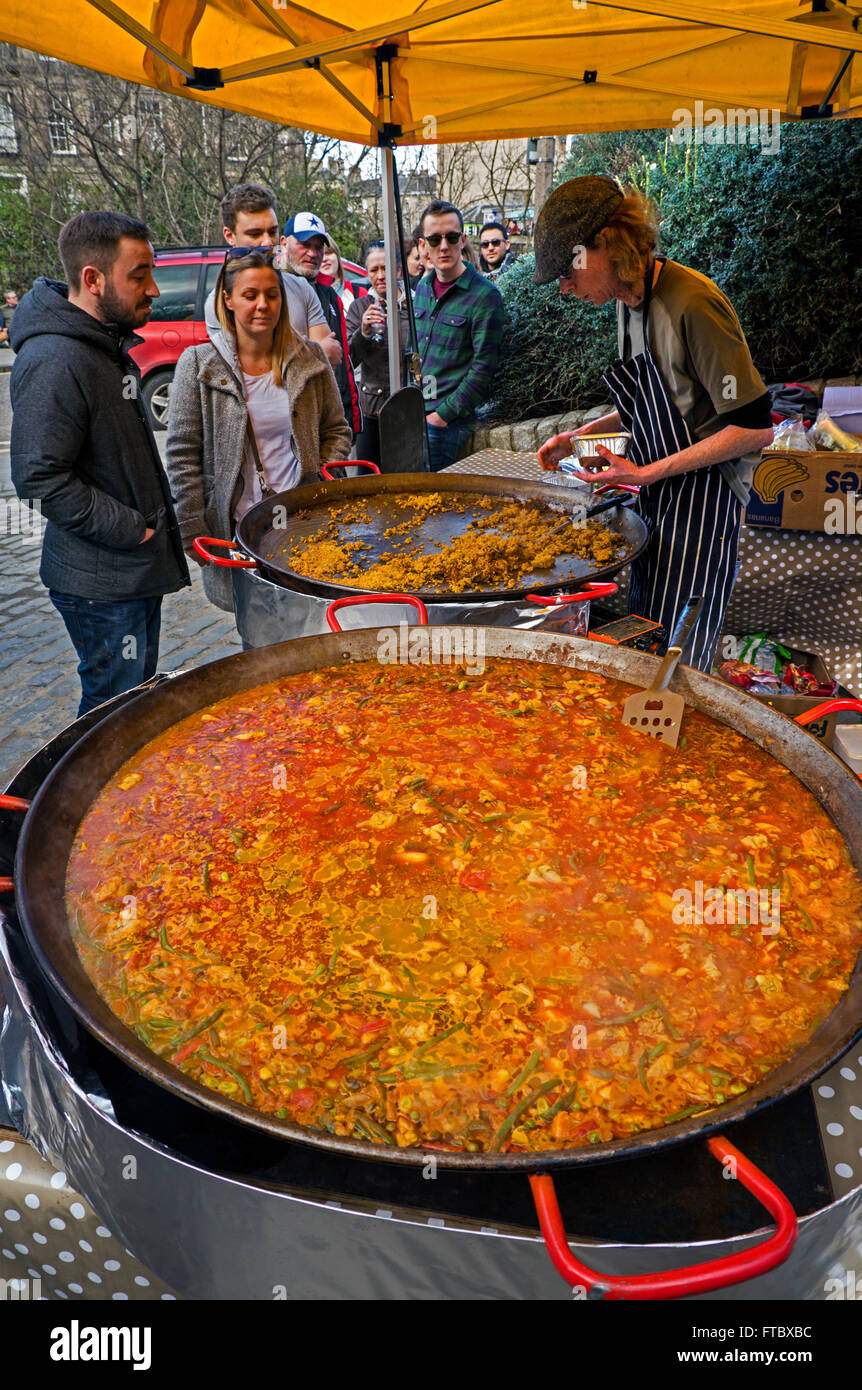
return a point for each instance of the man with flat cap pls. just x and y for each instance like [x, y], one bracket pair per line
[685, 389]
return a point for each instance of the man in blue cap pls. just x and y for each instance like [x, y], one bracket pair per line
[303, 244]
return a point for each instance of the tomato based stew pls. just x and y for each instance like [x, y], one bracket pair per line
[430, 908]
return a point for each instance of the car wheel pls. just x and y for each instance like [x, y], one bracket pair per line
[157, 398]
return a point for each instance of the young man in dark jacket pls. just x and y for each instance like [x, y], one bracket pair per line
[495, 255]
[82, 446]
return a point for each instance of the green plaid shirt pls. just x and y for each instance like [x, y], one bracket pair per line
[459, 343]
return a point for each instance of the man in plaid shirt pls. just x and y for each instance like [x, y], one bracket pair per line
[459, 321]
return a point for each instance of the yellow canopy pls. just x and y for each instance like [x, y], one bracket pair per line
[465, 69]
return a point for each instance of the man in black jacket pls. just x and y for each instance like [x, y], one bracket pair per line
[303, 244]
[495, 255]
[82, 446]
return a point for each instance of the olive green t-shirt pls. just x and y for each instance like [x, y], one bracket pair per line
[701, 352]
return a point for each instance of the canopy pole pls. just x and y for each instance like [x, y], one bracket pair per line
[393, 334]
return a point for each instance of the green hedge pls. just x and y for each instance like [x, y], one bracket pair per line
[779, 233]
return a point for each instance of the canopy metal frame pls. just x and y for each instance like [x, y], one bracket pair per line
[829, 24]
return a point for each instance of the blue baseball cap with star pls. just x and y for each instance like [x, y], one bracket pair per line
[304, 225]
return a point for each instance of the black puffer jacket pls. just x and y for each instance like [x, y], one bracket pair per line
[82, 445]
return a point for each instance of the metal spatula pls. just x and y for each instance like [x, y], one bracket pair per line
[656, 710]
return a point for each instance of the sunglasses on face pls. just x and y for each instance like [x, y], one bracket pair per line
[436, 237]
[498, 241]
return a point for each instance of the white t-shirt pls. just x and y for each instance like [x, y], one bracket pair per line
[269, 410]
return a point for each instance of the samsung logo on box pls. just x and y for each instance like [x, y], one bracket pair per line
[846, 481]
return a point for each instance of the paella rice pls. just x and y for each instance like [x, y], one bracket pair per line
[495, 551]
[425, 909]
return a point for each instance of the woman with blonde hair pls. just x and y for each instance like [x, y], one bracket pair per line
[332, 266]
[254, 411]
[685, 389]
[470, 254]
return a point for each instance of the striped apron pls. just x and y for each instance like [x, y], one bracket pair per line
[692, 519]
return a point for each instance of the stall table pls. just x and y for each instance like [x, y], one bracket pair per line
[801, 587]
[49, 1234]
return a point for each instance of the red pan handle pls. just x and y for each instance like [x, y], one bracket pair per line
[616, 487]
[345, 463]
[335, 626]
[827, 707]
[589, 591]
[11, 803]
[201, 549]
[675, 1283]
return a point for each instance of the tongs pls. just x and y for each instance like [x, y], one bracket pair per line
[656, 710]
[578, 516]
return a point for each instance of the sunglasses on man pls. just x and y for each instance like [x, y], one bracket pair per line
[498, 241]
[436, 237]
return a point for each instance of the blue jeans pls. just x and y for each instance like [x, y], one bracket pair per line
[446, 443]
[117, 643]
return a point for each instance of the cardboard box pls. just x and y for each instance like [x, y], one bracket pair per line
[791, 705]
[818, 491]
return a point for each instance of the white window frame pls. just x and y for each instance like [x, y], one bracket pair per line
[59, 129]
[8, 133]
[23, 188]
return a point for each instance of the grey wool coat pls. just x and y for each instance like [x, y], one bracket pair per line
[207, 437]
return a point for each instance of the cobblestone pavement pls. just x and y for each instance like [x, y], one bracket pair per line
[40, 689]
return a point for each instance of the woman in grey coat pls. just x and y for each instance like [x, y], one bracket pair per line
[254, 411]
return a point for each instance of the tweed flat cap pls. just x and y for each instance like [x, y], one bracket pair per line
[571, 217]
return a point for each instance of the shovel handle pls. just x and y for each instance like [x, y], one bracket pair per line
[684, 624]
[686, 621]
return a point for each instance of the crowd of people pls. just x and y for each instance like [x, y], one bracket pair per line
[295, 370]
[292, 376]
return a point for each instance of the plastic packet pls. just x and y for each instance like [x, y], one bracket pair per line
[751, 678]
[792, 434]
[827, 435]
[763, 652]
[795, 680]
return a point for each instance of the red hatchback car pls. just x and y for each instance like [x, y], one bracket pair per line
[185, 277]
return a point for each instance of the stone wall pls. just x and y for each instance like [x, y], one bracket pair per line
[529, 435]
